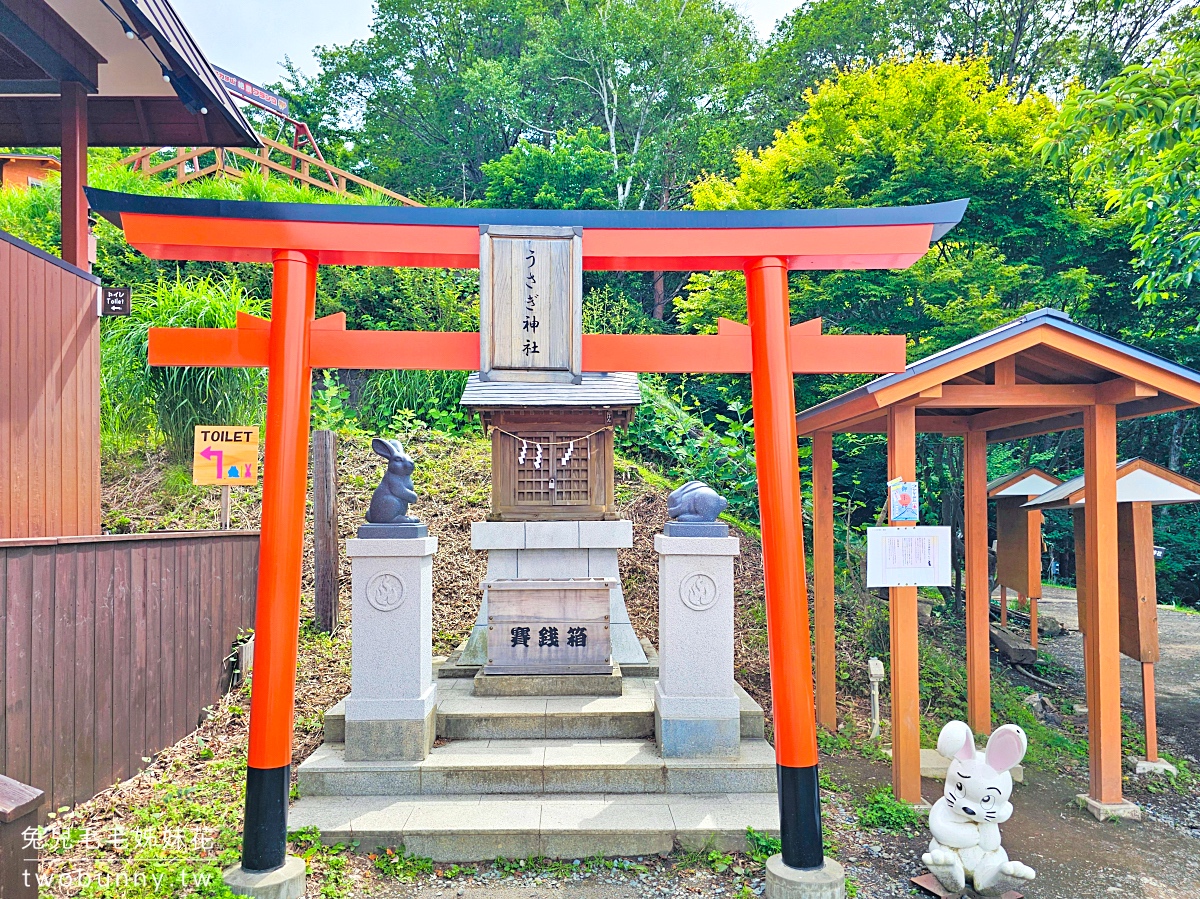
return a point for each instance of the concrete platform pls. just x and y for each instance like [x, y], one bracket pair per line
[463, 716]
[473, 828]
[548, 684]
[539, 766]
[934, 765]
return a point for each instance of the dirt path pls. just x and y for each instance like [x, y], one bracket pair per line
[1177, 674]
[1075, 856]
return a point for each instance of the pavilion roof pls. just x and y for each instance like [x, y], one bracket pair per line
[1027, 482]
[1029, 376]
[1138, 480]
[130, 101]
[595, 390]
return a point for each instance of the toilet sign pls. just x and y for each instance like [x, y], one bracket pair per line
[226, 455]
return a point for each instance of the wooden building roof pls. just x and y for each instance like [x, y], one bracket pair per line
[1138, 481]
[1028, 482]
[148, 83]
[597, 390]
[1030, 376]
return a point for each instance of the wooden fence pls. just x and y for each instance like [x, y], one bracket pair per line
[112, 647]
[49, 395]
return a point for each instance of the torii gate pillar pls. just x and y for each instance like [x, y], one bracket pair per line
[786, 590]
[280, 563]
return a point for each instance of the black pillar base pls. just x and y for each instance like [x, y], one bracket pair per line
[800, 817]
[264, 836]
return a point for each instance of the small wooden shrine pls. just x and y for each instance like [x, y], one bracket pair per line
[1019, 540]
[552, 444]
[1141, 485]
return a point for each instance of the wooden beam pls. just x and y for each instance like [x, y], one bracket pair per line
[74, 144]
[1102, 652]
[1141, 370]
[990, 396]
[1006, 418]
[979, 687]
[1123, 390]
[906, 707]
[823, 580]
[1005, 374]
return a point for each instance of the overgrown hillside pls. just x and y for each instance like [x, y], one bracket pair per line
[452, 478]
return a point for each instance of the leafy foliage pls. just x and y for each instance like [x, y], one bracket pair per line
[176, 398]
[1139, 133]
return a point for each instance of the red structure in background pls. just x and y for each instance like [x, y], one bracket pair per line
[295, 239]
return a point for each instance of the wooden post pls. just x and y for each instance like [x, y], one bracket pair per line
[979, 671]
[1101, 639]
[1033, 622]
[1079, 522]
[326, 547]
[823, 580]
[906, 709]
[1148, 706]
[225, 511]
[1003, 606]
[19, 804]
[73, 112]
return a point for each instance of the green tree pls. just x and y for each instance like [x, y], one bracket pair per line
[574, 172]
[1139, 136]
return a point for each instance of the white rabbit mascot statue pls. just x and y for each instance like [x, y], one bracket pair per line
[965, 822]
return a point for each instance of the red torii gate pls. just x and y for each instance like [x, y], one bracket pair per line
[296, 238]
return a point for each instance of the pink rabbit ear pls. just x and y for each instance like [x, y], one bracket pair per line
[956, 741]
[1006, 748]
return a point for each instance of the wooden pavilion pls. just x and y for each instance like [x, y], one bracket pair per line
[1037, 374]
[1019, 540]
[1141, 485]
[80, 73]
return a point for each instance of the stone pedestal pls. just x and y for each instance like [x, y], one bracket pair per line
[825, 882]
[391, 709]
[286, 882]
[556, 549]
[696, 708]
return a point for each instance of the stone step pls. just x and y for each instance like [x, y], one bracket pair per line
[463, 716]
[528, 767]
[475, 828]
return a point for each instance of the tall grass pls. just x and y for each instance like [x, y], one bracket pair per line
[168, 402]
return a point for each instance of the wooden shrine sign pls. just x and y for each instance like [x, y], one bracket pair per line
[531, 303]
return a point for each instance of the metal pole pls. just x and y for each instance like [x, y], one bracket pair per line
[281, 549]
[783, 564]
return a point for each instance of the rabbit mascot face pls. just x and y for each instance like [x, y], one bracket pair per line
[965, 822]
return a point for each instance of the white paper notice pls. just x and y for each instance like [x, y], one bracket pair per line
[908, 557]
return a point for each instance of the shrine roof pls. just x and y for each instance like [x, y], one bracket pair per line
[112, 205]
[1032, 375]
[1138, 480]
[597, 389]
[1026, 483]
[449, 237]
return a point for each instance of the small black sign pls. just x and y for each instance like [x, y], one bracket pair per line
[116, 301]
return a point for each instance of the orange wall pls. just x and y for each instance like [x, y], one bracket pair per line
[19, 172]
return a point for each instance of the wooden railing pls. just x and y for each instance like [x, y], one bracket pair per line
[111, 648]
[192, 163]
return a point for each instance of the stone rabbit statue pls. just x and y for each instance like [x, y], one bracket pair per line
[695, 501]
[965, 822]
[389, 502]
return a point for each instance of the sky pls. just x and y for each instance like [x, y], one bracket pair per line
[252, 38]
